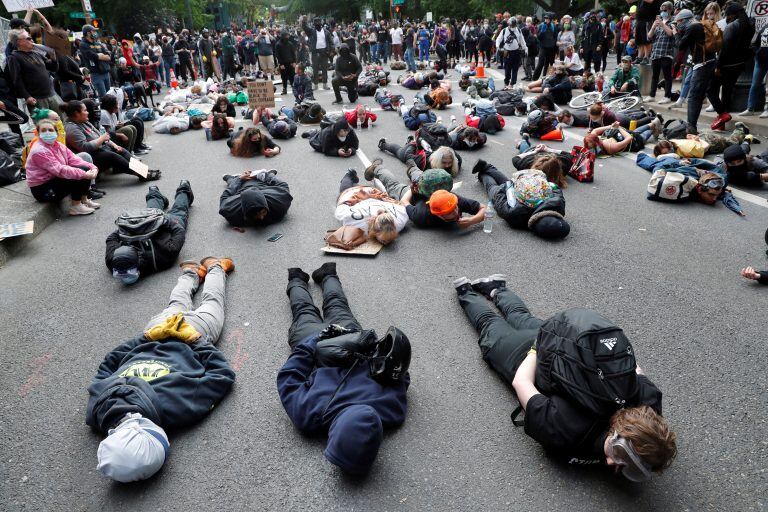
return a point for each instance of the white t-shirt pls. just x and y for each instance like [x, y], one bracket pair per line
[577, 66]
[358, 215]
[321, 42]
[722, 24]
[397, 35]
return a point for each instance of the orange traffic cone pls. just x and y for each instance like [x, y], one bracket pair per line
[556, 134]
[174, 80]
[480, 70]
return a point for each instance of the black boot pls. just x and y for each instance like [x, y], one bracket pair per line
[153, 191]
[186, 187]
[297, 273]
[327, 269]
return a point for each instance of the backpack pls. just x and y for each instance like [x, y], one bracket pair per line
[329, 120]
[713, 37]
[434, 134]
[587, 359]
[677, 129]
[670, 186]
[485, 108]
[139, 225]
[143, 113]
[583, 165]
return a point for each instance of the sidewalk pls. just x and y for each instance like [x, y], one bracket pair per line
[18, 205]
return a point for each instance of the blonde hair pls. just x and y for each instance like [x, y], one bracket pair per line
[383, 228]
[649, 434]
[715, 8]
[436, 160]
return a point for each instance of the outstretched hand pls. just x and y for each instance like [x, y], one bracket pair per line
[750, 273]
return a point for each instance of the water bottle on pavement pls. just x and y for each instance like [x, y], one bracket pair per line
[490, 213]
[453, 120]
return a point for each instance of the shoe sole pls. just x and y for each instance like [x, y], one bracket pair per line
[371, 169]
[457, 283]
[488, 279]
[76, 214]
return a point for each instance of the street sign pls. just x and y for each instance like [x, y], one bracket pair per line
[23, 5]
[81, 14]
[398, 2]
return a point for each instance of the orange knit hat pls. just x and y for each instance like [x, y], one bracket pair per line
[442, 202]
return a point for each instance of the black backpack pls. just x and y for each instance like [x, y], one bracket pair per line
[434, 134]
[139, 225]
[586, 358]
[677, 129]
[329, 120]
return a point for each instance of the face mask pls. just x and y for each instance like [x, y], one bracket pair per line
[567, 26]
[470, 143]
[129, 276]
[664, 15]
[602, 23]
[48, 137]
[342, 139]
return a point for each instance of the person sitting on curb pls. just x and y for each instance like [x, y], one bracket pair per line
[148, 241]
[341, 381]
[574, 421]
[255, 198]
[339, 139]
[168, 378]
[527, 200]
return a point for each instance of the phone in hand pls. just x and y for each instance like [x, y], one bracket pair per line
[275, 237]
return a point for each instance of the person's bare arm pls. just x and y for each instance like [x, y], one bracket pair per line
[523, 383]
[405, 200]
[43, 21]
[466, 222]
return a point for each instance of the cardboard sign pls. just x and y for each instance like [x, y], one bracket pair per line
[60, 45]
[429, 17]
[16, 229]
[368, 248]
[23, 5]
[138, 166]
[261, 93]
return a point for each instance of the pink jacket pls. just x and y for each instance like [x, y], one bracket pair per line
[46, 162]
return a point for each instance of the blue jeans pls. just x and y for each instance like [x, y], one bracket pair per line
[757, 90]
[101, 83]
[424, 52]
[168, 66]
[374, 52]
[686, 84]
[409, 60]
[524, 146]
[644, 131]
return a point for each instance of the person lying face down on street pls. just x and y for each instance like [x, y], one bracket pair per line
[220, 125]
[466, 138]
[341, 381]
[368, 212]
[250, 142]
[279, 126]
[743, 169]
[360, 117]
[714, 143]
[706, 181]
[255, 198]
[149, 240]
[339, 139]
[529, 199]
[529, 154]
[579, 422]
[167, 378]
[427, 198]
[598, 115]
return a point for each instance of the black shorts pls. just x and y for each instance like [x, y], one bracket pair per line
[641, 32]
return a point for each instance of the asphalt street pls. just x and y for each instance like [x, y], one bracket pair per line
[668, 274]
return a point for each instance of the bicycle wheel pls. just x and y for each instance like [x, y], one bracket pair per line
[622, 104]
[585, 100]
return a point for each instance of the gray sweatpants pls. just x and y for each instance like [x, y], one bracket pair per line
[208, 318]
[386, 182]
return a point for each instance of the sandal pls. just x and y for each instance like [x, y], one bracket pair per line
[152, 175]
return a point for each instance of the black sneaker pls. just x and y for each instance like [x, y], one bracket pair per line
[352, 173]
[381, 144]
[739, 124]
[227, 177]
[479, 166]
[327, 269]
[185, 186]
[462, 285]
[99, 191]
[337, 102]
[488, 285]
[156, 191]
[94, 194]
[297, 273]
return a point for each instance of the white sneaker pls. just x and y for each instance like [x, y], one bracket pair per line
[80, 209]
[648, 99]
[664, 101]
[746, 113]
[764, 114]
[709, 109]
[90, 203]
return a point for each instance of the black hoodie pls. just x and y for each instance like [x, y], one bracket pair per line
[347, 63]
[326, 141]
[242, 200]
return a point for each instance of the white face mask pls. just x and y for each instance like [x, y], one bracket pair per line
[470, 143]
[342, 139]
[48, 137]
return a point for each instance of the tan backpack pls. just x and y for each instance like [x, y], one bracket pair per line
[713, 37]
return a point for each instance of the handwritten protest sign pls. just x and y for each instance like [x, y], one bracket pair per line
[23, 5]
[261, 93]
[138, 166]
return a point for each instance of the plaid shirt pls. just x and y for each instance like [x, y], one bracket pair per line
[663, 45]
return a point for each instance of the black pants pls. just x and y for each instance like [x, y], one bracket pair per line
[659, 66]
[286, 75]
[603, 58]
[504, 339]
[511, 65]
[184, 66]
[105, 159]
[320, 67]
[402, 153]
[56, 189]
[306, 317]
[546, 58]
[472, 54]
[14, 123]
[179, 210]
[228, 66]
[727, 81]
[494, 180]
[348, 181]
[589, 57]
[351, 86]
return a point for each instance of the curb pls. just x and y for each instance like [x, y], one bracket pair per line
[18, 205]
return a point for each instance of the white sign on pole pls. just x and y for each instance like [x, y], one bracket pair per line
[87, 5]
[23, 5]
[368, 15]
[429, 17]
[758, 10]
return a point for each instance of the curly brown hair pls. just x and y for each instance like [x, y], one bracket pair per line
[649, 434]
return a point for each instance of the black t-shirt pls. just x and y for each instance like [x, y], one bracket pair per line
[183, 45]
[648, 11]
[421, 216]
[408, 38]
[569, 432]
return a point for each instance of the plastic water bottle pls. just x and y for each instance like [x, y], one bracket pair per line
[440, 119]
[453, 120]
[490, 213]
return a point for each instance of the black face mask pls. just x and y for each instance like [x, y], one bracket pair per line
[318, 27]
[737, 168]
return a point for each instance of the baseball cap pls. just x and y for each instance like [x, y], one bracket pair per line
[135, 450]
[442, 202]
[684, 14]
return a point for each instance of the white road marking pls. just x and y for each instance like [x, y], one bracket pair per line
[363, 158]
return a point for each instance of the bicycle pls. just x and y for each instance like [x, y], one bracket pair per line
[621, 102]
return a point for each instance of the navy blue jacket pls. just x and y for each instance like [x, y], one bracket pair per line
[172, 383]
[307, 391]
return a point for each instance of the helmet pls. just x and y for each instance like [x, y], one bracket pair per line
[392, 357]
[535, 117]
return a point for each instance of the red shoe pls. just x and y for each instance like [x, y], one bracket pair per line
[719, 123]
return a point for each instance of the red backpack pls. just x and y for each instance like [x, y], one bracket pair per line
[583, 166]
